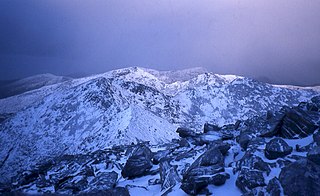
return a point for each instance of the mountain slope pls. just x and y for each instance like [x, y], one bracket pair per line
[125, 106]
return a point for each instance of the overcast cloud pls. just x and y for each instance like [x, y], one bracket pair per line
[274, 39]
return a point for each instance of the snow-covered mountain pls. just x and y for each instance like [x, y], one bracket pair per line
[124, 106]
[30, 83]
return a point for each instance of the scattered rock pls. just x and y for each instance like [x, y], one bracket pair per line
[301, 177]
[104, 181]
[249, 179]
[277, 148]
[185, 132]
[222, 146]
[210, 127]
[252, 162]
[161, 154]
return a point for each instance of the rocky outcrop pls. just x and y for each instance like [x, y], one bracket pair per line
[207, 169]
[139, 163]
[277, 148]
[301, 177]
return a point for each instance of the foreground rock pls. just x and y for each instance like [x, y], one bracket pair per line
[301, 178]
[249, 179]
[139, 163]
[168, 175]
[207, 169]
[277, 148]
[298, 123]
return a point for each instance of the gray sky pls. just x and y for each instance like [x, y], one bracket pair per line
[274, 39]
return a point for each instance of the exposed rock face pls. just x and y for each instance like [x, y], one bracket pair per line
[301, 178]
[207, 169]
[298, 123]
[139, 163]
[249, 179]
[277, 148]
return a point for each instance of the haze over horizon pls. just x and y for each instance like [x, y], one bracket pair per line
[272, 40]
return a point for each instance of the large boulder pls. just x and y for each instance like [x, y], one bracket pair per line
[277, 148]
[298, 123]
[301, 177]
[249, 179]
[207, 169]
[139, 163]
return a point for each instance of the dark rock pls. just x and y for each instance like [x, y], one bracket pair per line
[244, 140]
[118, 191]
[316, 138]
[252, 162]
[303, 148]
[277, 148]
[168, 175]
[138, 164]
[185, 154]
[316, 100]
[301, 177]
[183, 142]
[207, 169]
[161, 154]
[69, 185]
[223, 147]
[256, 143]
[185, 132]
[195, 184]
[258, 191]
[210, 127]
[274, 187]
[227, 136]
[298, 123]
[249, 179]
[314, 155]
